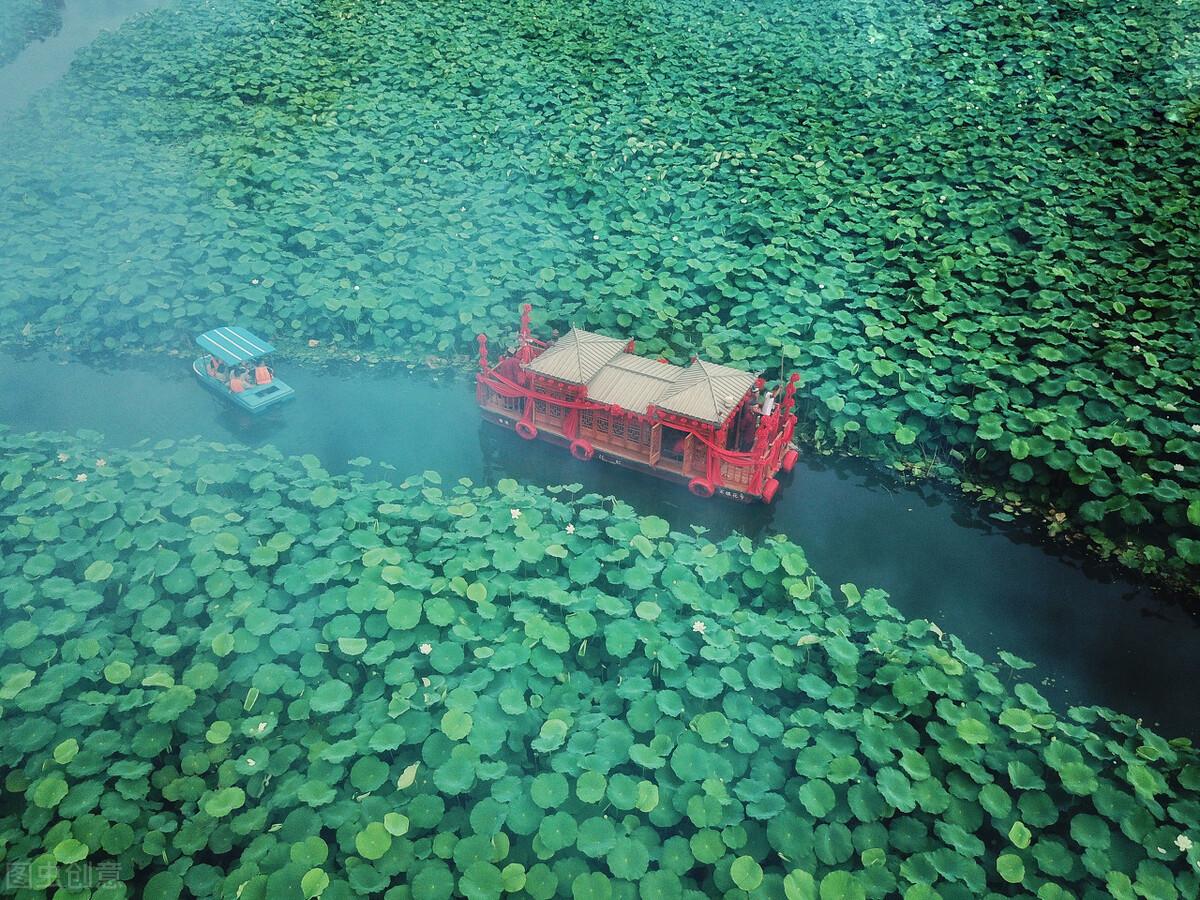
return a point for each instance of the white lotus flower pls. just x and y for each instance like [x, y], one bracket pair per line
[101, 463]
[426, 649]
[250, 763]
[1196, 428]
[81, 477]
[62, 457]
[515, 513]
[1184, 843]
[570, 528]
[698, 627]
[1178, 467]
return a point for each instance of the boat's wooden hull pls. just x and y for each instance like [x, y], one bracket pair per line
[604, 454]
[255, 399]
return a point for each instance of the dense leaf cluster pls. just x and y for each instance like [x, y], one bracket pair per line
[236, 676]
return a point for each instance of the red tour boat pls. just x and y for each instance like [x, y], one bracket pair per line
[716, 429]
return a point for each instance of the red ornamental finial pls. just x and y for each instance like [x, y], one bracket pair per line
[483, 354]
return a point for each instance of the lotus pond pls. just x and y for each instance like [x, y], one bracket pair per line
[971, 225]
[236, 671]
[229, 673]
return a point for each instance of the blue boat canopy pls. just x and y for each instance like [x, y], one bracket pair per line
[232, 345]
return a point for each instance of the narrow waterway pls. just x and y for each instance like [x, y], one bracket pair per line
[43, 62]
[1095, 636]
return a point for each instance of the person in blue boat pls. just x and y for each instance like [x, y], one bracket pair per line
[217, 369]
[236, 364]
[263, 373]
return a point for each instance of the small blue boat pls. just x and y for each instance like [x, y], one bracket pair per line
[235, 366]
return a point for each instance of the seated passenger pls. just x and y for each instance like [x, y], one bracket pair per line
[237, 380]
[263, 373]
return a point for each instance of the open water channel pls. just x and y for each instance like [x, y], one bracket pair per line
[1095, 635]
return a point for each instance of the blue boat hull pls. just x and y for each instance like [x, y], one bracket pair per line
[256, 397]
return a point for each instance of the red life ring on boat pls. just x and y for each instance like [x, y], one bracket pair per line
[582, 450]
[526, 430]
[701, 488]
[789, 460]
[770, 487]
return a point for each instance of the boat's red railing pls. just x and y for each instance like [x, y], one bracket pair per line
[772, 435]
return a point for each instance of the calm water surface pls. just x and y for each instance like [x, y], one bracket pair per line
[1096, 637]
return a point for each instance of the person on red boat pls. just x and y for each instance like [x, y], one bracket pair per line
[263, 373]
[237, 380]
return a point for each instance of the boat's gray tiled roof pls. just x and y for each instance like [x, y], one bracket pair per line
[703, 390]
[632, 382]
[577, 356]
[706, 391]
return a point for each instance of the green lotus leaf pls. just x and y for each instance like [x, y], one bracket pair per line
[20, 635]
[1019, 835]
[49, 791]
[799, 885]
[973, 731]
[456, 724]
[455, 776]
[628, 859]
[222, 802]
[163, 886]
[591, 787]
[70, 851]
[746, 873]
[591, 886]
[707, 846]
[313, 883]
[330, 696]
[1011, 868]
[764, 673]
[373, 841]
[713, 727]
[597, 836]
[368, 773]
[100, 570]
[1078, 778]
[549, 790]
